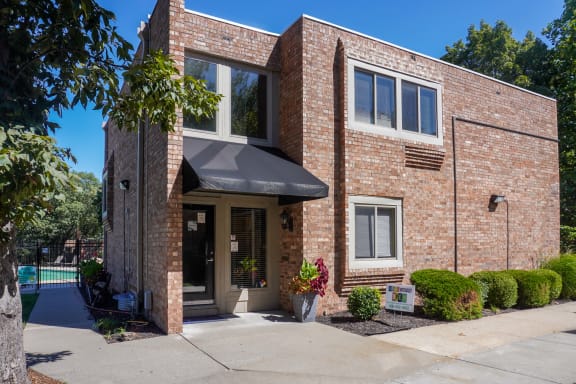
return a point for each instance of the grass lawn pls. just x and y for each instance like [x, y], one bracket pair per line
[28, 301]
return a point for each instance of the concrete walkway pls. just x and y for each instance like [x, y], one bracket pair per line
[535, 346]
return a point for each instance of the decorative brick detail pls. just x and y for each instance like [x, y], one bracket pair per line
[423, 158]
[378, 281]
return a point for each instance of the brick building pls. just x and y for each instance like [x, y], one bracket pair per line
[328, 143]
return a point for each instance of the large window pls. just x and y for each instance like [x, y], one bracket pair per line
[375, 232]
[245, 112]
[394, 104]
[248, 247]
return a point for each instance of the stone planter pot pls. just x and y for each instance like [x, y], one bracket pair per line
[304, 306]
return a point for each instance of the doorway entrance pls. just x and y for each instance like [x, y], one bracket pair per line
[198, 254]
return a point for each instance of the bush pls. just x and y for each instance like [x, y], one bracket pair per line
[364, 302]
[565, 266]
[567, 238]
[502, 288]
[533, 288]
[555, 281]
[447, 295]
[90, 270]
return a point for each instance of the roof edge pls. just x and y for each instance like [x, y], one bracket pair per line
[231, 22]
[312, 18]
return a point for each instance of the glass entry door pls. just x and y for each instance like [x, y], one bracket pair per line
[198, 254]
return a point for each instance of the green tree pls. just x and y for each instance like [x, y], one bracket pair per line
[54, 55]
[495, 52]
[562, 33]
[76, 213]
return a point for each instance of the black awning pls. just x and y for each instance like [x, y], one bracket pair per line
[219, 166]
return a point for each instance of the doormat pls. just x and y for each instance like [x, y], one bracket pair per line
[203, 319]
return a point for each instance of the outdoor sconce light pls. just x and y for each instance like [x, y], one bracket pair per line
[286, 220]
[494, 201]
[125, 185]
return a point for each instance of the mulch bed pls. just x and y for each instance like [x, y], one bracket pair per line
[38, 378]
[384, 322]
[134, 327]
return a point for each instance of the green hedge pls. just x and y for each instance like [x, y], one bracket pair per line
[565, 266]
[502, 288]
[364, 302]
[447, 295]
[555, 281]
[567, 239]
[533, 288]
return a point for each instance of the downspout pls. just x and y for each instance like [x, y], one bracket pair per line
[142, 128]
[455, 194]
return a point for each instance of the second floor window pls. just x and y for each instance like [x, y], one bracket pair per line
[394, 104]
[244, 112]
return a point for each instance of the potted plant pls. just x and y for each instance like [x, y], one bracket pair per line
[250, 268]
[306, 287]
[90, 271]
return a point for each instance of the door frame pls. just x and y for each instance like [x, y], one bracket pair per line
[230, 300]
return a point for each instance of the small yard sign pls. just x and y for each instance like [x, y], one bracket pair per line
[400, 297]
[27, 274]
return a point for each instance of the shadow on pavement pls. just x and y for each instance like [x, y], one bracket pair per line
[39, 358]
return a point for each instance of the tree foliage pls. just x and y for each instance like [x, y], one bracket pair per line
[495, 52]
[562, 34]
[75, 214]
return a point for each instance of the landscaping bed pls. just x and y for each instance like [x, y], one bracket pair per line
[119, 326]
[384, 322]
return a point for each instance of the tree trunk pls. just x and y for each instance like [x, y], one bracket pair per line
[12, 358]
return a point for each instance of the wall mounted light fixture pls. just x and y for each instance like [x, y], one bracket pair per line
[125, 185]
[287, 220]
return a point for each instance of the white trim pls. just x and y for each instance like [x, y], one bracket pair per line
[312, 18]
[215, 18]
[384, 202]
[397, 132]
[224, 114]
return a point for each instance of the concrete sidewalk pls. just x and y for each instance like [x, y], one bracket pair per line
[533, 346]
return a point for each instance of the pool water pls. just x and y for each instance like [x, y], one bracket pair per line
[57, 275]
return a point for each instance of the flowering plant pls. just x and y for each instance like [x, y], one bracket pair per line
[312, 278]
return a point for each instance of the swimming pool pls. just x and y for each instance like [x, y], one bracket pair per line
[28, 275]
[58, 274]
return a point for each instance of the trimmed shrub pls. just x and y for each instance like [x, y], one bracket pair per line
[555, 281]
[364, 302]
[533, 288]
[447, 295]
[502, 288]
[565, 266]
[567, 239]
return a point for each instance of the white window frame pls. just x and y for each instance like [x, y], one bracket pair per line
[223, 114]
[380, 202]
[397, 132]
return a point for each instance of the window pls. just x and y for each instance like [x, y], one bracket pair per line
[418, 109]
[394, 104]
[375, 232]
[246, 112]
[248, 247]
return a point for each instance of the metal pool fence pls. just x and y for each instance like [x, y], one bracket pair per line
[54, 265]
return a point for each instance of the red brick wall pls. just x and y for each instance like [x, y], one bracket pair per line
[489, 161]
[311, 59]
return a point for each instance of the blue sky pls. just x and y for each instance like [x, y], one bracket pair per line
[421, 25]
